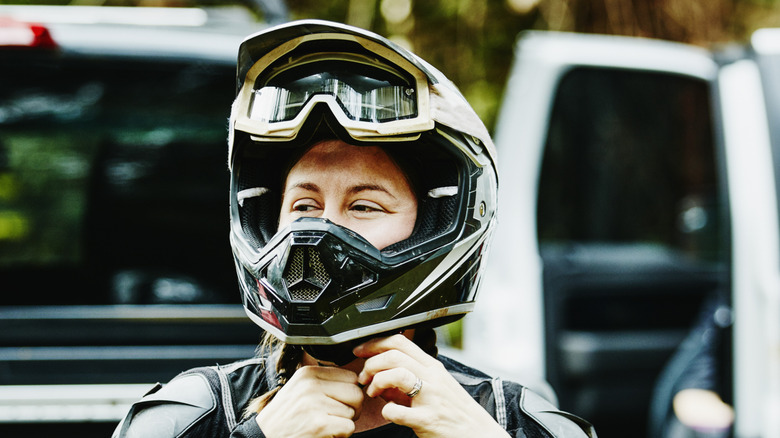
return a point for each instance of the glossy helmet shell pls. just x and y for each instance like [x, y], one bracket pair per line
[317, 283]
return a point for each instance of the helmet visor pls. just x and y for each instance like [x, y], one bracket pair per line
[369, 96]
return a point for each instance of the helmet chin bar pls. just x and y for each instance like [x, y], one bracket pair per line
[316, 281]
[322, 284]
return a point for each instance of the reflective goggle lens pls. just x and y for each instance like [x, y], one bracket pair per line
[361, 97]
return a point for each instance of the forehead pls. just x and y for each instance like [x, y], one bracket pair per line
[336, 156]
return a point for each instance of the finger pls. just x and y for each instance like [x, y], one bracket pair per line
[345, 402]
[405, 416]
[339, 385]
[324, 416]
[396, 342]
[329, 380]
[337, 427]
[386, 361]
[327, 373]
[337, 409]
[395, 378]
[348, 394]
[396, 396]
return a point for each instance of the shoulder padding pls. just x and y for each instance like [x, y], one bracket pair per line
[556, 422]
[170, 411]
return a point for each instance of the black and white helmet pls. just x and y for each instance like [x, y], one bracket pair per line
[317, 283]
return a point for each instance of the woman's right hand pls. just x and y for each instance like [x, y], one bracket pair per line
[315, 402]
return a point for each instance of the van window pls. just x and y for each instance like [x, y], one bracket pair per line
[113, 181]
[630, 159]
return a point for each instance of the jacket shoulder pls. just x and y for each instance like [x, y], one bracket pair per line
[171, 410]
[556, 422]
[515, 407]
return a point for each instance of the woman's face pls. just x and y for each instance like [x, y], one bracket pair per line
[357, 187]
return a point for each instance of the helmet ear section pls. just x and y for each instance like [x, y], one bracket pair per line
[256, 191]
[259, 216]
[440, 178]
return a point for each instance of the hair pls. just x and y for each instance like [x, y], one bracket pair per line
[291, 357]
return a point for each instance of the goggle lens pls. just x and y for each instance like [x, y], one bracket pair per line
[361, 97]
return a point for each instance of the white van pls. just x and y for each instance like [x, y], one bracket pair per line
[638, 179]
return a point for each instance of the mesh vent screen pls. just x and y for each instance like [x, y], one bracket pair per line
[318, 269]
[295, 266]
[307, 294]
[373, 304]
[305, 274]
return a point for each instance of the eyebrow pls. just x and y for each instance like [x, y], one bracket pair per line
[352, 190]
[368, 187]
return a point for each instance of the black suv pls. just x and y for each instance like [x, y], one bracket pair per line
[115, 267]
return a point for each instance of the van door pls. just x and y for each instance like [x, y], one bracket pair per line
[749, 90]
[613, 219]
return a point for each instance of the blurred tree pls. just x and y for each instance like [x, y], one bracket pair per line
[677, 20]
[472, 41]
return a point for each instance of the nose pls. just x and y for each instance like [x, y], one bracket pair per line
[335, 215]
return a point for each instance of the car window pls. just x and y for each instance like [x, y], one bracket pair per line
[630, 158]
[113, 180]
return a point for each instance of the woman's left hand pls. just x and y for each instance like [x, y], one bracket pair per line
[441, 408]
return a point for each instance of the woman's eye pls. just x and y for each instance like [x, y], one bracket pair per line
[304, 207]
[364, 207]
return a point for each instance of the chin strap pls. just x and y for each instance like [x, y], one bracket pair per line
[341, 354]
[332, 355]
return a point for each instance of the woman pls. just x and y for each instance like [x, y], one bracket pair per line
[363, 189]
[363, 197]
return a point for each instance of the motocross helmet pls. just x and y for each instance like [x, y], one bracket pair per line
[314, 282]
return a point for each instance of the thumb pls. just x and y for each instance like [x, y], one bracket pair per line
[399, 414]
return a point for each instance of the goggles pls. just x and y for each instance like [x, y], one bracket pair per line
[372, 95]
[361, 98]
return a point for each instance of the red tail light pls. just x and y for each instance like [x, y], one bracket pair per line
[17, 34]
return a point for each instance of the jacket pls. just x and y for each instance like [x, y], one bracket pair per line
[209, 402]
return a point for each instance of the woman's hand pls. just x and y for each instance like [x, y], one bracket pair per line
[315, 402]
[702, 409]
[442, 408]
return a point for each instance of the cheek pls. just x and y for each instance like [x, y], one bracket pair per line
[395, 229]
[284, 217]
[283, 222]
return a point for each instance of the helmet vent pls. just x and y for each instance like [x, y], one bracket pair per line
[305, 294]
[377, 303]
[305, 275]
